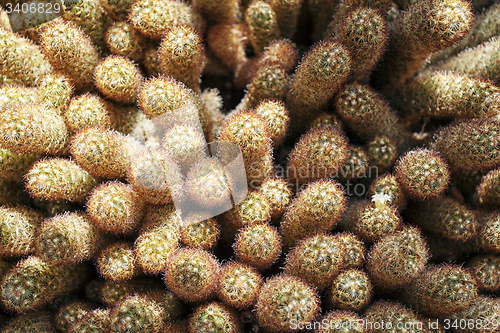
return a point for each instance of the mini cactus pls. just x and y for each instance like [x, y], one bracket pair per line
[13, 94]
[446, 217]
[258, 245]
[326, 120]
[486, 269]
[118, 78]
[356, 165]
[486, 308]
[67, 238]
[22, 60]
[487, 238]
[423, 174]
[442, 290]
[87, 110]
[287, 15]
[426, 27]
[255, 208]
[239, 285]
[116, 262]
[278, 194]
[70, 51]
[284, 300]
[488, 191]
[37, 321]
[32, 128]
[202, 234]
[320, 153]
[32, 283]
[158, 239]
[214, 317]
[70, 313]
[371, 220]
[354, 250]
[122, 39]
[115, 207]
[185, 143]
[316, 259]
[397, 259]
[59, 179]
[192, 274]
[181, 55]
[152, 18]
[382, 153]
[318, 207]
[55, 91]
[136, 314]
[18, 226]
[319, 76]
[93, 322]
[470, 144]
[388, 185]
[351, 290]
[13, 165]
[102, 152]
[448, 95]
[391, 313]
[262, 24]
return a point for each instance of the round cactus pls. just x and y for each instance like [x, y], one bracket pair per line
[284, 300]
[320, 153]
[68, 314]
[118, 78]
[116, 262]
[13, 165]
[258, 245]
[203, 234]
[68, 238]
[316, 259]
[488, 191]
[87, 110]
[423, 174]
[354, 250]
[382, 153]
[185, 143]
[486, 269]
[122, 39]
[18, 226]
[55, 91]
[214, 317]
[115, 207]
[397, 259]
[136, 314]
[388, 185]
[93, 322]
[192, 274]
[318, 207]
[351, 290]
[239, 285]
[278, 194]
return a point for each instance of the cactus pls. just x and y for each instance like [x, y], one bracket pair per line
[354, 250]
[87, 110]
[118, 78]
[68, 314]
[486, 308]
[32, 283]
[70, 51]
[486, 270]
[326, 120]
[18, 226]
[93, 322]
[152, 18]
[136, 314]
[12, 94]
[469, 145]
[32, 128]
[262, 25]
[213, 317]
[181, 56]
[37, 321]
[318, 207]
[382, 153]
[441, 291]
[397, 259]
[426, 27]
[320, 153]
[59, 179]
[278, 195]
[217, 12]
[487, 238]
[319, 76]
[447, 95]
[122, 39]
[316, 259]
[158, 239]
[488, 191]
[203, 234]
[258, 245]
[239, 285]
[55, 91]
[446, 217]
[22, 60]
[185, 144]
[13, 165]
[115, 207]
[423, 174]
[371, 220]
[192, 274]
[391, 313]
[116, 262]
[284, 300]
[67, 238]
[356, 165]
[351, 290]
[388, 185]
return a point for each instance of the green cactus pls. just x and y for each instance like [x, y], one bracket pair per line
[136, 314]
[351, 290]
[18, 226]
[116, 262]
[214, 317]
[239, 285]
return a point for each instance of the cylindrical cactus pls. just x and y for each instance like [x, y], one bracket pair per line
[487, 193]
[486, 270]
[87, 110]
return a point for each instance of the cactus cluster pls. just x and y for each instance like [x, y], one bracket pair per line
[250, 166]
